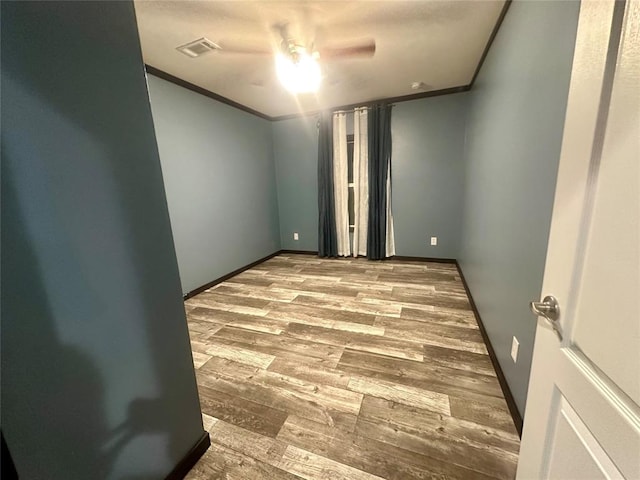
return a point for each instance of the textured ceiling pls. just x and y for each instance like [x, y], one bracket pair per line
[439, 43]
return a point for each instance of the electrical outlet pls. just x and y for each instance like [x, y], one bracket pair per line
[295, 236]
[514, 349]
[434, 240]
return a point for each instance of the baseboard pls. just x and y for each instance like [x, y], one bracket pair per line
[395, 257]
[190, 459]
[212, 283]
[422, 259]
[218, 280]
[511, 403]
[300, 252]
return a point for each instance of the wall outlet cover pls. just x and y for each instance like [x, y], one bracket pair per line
[434, 240]
[514, 349]
[295, 236]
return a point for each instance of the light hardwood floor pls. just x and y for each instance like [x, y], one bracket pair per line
[325, 369]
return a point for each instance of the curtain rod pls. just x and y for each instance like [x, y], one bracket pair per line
[346, 110]
[351, 110]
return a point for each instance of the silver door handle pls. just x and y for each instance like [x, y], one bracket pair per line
[549, 309]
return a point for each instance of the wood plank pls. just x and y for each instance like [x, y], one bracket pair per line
[335, 270]
[497, 463]
[358, 328]
[241, 355]
[340, 399]
[310, 372]
[228, 307]
[203, 328]
[208, 422]
[430, 319]
[439, 379]
[457, 359]
[318, 276]
[321, 406]
[199, 359]
[227, 367]
[334, 289]
[459, 318]
[412, 396]
[423, 329]
[452, 288]
[279, 344]
[388, 309]
[239, 320]
[278, 279]
[491, 415]
[409, 266]
[365, 285]
[465, 339]
[223, 463]
[316, 315]
[427, 276]
[373, 301]
[212, 316]
[220, 304]
[372, 456]
[356, 341]
[200, 345]
[243, 413]
[454, 291]
[420, 286]
[277, 265]
[370, 276]
[289, 349]
[211, 296]
[384, 411]
[253, 291]
[408, 296]
[315, 467]
[250, 279]
[265, 449]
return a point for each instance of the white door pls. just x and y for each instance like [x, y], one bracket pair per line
[582, 418]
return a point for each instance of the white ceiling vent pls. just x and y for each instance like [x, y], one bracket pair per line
[198, 47]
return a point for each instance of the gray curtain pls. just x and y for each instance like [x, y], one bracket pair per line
[327, 238]
[379, 131]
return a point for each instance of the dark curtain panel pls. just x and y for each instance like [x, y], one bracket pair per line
[379, 130]
[327, 238]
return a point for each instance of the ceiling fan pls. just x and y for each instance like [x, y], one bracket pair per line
[289, 46]
[298, 65]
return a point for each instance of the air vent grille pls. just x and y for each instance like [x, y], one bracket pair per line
[198, 47]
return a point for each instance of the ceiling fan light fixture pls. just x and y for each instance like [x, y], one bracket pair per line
[299, 74]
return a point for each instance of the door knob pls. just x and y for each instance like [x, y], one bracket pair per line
[549, 309]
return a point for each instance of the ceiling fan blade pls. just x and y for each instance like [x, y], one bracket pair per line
[365, 49]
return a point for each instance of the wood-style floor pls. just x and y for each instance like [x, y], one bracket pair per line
[347, 369]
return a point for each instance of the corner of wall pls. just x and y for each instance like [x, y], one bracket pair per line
[272, 125]
[513, 132]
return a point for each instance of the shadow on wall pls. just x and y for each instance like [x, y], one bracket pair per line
[97, 380]
[59, 387]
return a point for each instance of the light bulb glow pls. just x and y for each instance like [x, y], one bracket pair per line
[301, 76]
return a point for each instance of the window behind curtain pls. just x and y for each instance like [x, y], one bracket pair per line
[351, 182]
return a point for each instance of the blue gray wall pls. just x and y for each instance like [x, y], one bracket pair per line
[219, 176]
[428, 176]
[97, 379]
[514, 133]
[295, 148]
